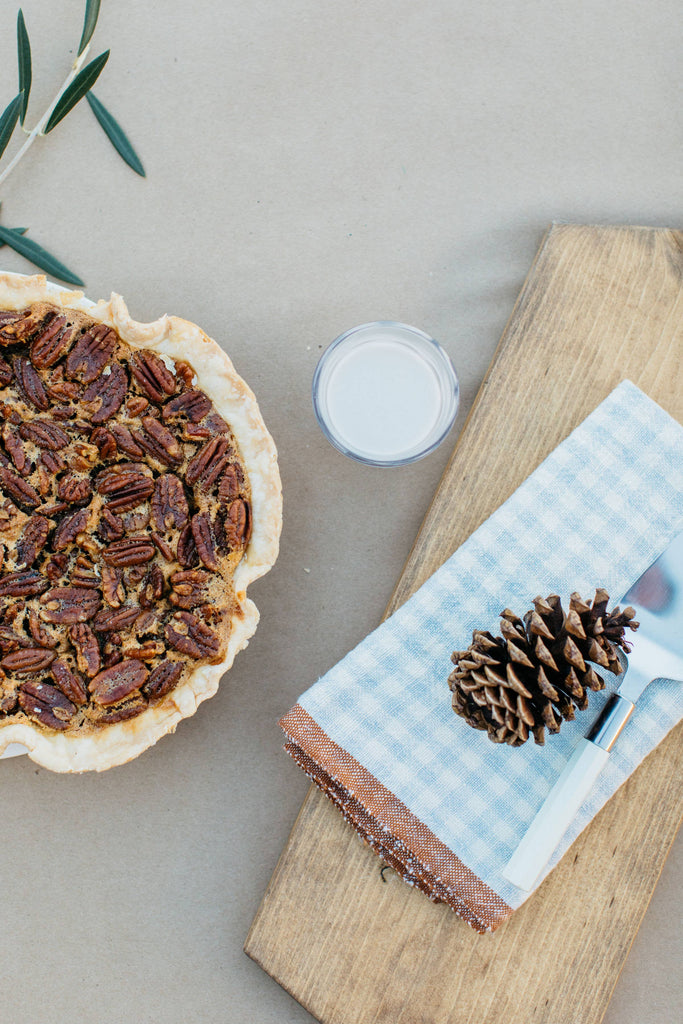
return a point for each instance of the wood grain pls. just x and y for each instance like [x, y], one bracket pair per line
[600, 305]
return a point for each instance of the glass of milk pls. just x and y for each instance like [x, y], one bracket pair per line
[385, 393]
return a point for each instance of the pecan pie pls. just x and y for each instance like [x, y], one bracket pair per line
[139, 496]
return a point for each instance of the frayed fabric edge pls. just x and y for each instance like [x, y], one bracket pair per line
[383, 836]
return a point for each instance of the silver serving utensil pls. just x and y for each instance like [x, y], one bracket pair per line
[657, 654]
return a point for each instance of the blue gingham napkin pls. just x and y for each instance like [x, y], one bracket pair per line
[432, 795]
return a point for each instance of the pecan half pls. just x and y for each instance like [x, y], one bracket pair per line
[129, 551]
[56, 567]
[40, 633]
[169, 504]
[46, 434]
[69, 604]
[29, 383]
[125, 486]
[124, 440]
[147, 625]
[105, 395]
[91, 353]
[16, 450]
[52, 508]
[118, 682]
[52, 341]
[189, 635]
[75, 490]
[19, 489]
[62, 391]
[52, 462]
[230, 484]
[87, 648]
[186, 549]
[47, 704]
[150, 650]
[128, 498]
[112, 587]
[152, 375]
[204, 539]
[71, 685]
[32, 540]
[43, 477]
[194, 432]
[122, 712]
[28, 661]
[110, 479]
[105, 441]
[191, 404]
[162, 546]
[189, 588]
[136, 405]
[152, 588]
[162, 680]
[209, 462]
[108, 620]
[84, 574]
[237, 525]
[23, 584]
[158, 441]
[185, 372]
[110, 527]
[216, 424]
[69, 528]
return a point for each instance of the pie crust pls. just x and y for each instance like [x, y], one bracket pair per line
[173, 339]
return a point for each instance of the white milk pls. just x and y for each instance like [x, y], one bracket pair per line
[383, 398]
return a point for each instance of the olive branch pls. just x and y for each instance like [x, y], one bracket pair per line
[78, 84]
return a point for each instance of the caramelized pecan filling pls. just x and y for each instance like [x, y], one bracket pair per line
[124, 510]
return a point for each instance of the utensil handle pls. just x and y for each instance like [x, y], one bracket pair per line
[556, 814]
[567, 795]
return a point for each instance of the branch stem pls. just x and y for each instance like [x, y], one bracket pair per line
[38, 130]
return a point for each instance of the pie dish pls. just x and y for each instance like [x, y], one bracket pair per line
[139, 497]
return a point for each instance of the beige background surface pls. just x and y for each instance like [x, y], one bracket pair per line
[310, 166]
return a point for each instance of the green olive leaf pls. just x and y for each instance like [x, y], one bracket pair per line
[17, 231]
[37, 255]
[83, 81]
[92, 10]
[115, 134]
[24, 61]
[8, 121]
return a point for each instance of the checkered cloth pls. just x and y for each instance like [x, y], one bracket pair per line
[434, 797]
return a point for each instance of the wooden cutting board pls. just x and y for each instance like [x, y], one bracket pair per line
[600, 304]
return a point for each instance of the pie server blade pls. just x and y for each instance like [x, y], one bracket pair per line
[657, 597]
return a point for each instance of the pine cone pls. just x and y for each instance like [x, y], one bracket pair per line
[536, 673]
